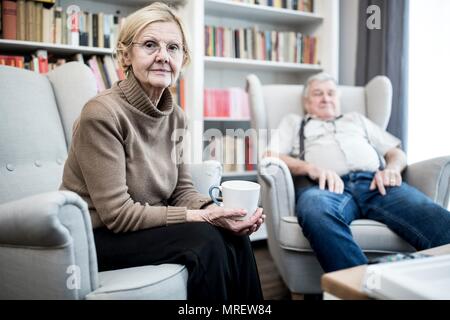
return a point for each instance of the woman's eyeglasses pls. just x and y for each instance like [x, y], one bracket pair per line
[175, 50]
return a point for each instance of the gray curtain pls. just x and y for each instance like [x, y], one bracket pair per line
[384, 51]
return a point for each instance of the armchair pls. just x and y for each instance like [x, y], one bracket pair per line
[47, 249]
[290, 250]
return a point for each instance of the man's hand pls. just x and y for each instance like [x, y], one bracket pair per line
[326, 177]
[386, 177]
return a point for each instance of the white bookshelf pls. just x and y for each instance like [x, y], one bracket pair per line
[215, 72]
[31, 46]
[258, 65]
[234, 174]
[221, 119]
[259, 13]
[218, 72]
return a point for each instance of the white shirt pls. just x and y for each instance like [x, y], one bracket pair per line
[349, 143]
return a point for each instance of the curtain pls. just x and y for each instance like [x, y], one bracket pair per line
[384, 51]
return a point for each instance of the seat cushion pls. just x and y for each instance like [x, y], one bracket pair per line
[370, 235]
[153, 282]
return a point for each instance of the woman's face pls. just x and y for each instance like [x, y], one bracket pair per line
[157, 55]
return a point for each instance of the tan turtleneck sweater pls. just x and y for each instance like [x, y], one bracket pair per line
[120, 161]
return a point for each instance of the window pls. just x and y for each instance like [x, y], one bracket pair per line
[429, 80]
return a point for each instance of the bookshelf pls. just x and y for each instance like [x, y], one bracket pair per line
[224, 72]
[42, 40]
[239, 174]
[260, 13]
[20, 46]
[257, 65]
[222, 119]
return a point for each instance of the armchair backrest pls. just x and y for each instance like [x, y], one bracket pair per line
[270, 103]
[32, 144]
[73, 85]
[36, 117]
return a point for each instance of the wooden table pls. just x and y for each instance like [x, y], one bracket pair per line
[346, 284]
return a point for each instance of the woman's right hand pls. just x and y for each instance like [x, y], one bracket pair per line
[227, 218]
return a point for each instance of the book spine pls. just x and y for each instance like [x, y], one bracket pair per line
[9, 19]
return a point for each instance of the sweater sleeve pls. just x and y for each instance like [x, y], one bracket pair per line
[99, 149]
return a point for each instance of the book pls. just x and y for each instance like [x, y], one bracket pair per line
[42, 59]
[21, 20]
[9, 19]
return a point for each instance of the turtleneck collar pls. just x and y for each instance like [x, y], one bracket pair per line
[137, 97]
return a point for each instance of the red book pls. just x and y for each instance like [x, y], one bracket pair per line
[42, 61]
[9, 19]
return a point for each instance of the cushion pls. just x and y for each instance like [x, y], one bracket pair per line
[154, 282]
[370, 235]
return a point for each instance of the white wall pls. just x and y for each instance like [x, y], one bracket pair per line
[348, 33]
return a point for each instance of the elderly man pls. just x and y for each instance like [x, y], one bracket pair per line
[356, 171]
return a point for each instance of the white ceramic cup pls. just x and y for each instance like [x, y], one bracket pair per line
[238, 194]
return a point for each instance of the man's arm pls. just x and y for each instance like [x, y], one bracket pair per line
[299, 167]
[391, 176]
[395, 159]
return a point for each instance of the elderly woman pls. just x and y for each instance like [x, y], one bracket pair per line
[143, 205]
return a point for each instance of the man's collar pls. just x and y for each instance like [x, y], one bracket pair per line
[310, 117]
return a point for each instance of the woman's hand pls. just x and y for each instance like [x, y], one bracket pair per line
[326, 177]
[386, 177]
[227, 219]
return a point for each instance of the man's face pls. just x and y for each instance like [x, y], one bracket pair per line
[322, 100]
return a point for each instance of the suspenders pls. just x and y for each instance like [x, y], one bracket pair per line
[302, 141]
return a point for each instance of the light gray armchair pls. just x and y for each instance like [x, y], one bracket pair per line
[47, 249]
[290, 250]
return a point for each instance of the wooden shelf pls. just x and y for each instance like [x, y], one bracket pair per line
[31, 46]
[217, 119]
[259, 13]
[239, 64]
[239, 174]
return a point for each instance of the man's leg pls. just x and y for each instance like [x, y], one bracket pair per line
[408, 212]
[325, 218]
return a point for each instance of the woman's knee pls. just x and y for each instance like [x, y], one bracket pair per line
[207, 237]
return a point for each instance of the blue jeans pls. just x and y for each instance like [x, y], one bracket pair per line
[325, 218]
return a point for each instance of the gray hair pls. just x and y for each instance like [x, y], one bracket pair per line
[321, 77]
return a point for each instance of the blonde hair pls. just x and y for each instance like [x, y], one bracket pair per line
[139, 20]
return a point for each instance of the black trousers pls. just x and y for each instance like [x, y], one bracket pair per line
[221, 265]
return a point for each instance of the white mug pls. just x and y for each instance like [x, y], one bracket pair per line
[238, 194]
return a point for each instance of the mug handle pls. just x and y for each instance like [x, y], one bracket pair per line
[211, 189]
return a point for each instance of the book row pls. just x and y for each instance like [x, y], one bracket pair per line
[252, 43]
[36, 21]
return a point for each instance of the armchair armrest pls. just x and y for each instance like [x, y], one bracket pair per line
[206, 174]
[46, 240]
[278, 195]
[432, 177]
[34, 221]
